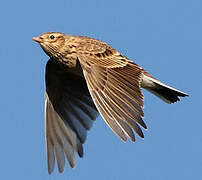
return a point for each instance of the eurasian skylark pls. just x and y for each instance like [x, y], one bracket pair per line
[84, 78]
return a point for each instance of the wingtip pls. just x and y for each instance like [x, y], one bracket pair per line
[50, 171]
[61, 170]
[141, 135]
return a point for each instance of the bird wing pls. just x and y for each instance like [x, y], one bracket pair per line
[69, 113]
[114, 84]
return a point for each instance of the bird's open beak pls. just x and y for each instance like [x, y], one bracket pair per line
[37, 39]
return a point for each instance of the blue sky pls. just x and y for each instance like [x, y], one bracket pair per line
[164, 37]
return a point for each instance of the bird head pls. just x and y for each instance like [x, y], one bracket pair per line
[51, 42]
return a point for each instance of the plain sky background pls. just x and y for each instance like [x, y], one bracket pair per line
[164, 37]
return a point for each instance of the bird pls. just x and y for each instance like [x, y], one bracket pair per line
[85, 78]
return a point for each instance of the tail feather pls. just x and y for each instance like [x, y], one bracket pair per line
[163, 91]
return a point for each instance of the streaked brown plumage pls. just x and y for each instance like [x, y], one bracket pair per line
[84, 78]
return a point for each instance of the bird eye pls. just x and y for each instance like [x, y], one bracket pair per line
[52, 37]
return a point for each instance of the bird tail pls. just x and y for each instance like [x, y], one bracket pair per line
[161, 90]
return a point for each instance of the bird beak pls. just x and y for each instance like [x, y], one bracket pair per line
[37, 39]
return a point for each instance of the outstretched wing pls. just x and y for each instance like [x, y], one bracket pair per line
[114, 84]
[69, 113]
